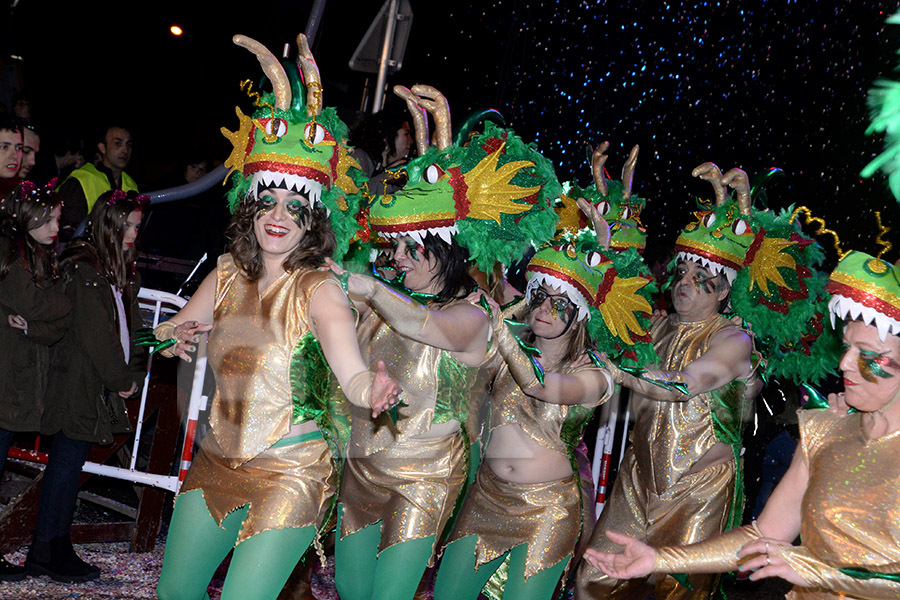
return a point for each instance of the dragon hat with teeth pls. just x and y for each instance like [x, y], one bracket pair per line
[611, 289]
[772, 266]
[490, 191]
[292, 141]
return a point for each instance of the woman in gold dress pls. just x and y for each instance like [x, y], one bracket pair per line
[840, 494]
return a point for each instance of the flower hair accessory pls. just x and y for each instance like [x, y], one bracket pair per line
[141, 200]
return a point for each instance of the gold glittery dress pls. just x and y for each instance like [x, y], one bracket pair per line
[656, 497]
[547, 515]
[253, 347]
[850, 515]
[410, 485]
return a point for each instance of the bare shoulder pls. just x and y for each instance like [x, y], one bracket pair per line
[734, 341]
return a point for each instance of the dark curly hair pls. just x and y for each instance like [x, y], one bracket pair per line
[316, 244]
[455, 278]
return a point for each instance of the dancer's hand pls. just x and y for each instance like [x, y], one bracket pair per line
[764, 558]
[353, 283]
[479, 298]
[385, 392]
[187, 335]
[837, 404]
[636, 560]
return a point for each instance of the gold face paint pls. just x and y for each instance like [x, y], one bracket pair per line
[298, 212]
[871, 365]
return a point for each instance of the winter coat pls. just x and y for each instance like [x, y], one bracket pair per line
[25, 358]
[87, 367]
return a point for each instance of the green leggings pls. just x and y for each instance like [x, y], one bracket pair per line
[361, 574]
[457, 578]
[196, 545]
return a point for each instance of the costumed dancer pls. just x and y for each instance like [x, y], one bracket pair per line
[681, 477]
[32, 313]
[840, 494]
[93, 369]
[526, 502]
[485, 202]
[266, 474]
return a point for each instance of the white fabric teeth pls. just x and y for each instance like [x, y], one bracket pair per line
[445, 233]
[574, 295]
[714, 267]
[849, 309]
[307, 187]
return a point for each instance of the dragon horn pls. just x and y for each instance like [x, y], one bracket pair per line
[710, 172]
[737, 180]
[311, 77]
[628, 172]
[601, 227]
[597, 162]
[435, 103]
[420, 117]
[271, 67]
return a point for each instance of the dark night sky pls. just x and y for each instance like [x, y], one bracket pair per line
[747, 84]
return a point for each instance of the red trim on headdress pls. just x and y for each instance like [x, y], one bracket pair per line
[864, 298]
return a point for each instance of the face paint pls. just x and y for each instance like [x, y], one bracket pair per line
[558, 304]
[871, 365]
[264, 205]
[701, 281]
[413, 250]
[298, 212]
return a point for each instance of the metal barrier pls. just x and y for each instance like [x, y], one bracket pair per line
[159, 303]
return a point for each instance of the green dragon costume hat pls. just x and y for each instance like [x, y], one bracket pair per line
[292, 141]
[491, 192]
[613, 290]
[614, 201]
[772, 268]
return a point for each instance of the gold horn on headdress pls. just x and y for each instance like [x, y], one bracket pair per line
[271, 67]
[710, 172]
[311, 77]
[597, 161]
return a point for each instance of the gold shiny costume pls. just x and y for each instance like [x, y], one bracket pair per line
[655, 497]
[850, 516]
[547, 515]
[243, 460]
[410, 485]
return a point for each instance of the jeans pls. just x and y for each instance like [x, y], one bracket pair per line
[59, 489]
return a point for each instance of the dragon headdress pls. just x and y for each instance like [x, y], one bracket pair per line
[772, 268]
[614, 200]
[492, 192]
[292, 140]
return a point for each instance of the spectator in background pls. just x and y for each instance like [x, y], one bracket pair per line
[382, 143]
[82, 188]
[31, 145]
[21, 105]
[68, 155]
[10, 153]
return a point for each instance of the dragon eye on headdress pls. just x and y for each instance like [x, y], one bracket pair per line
[570, 252]
[314, 133]
[603, 208]
[708, 219]
[741, 227]
[433, 174]
[276, 127]
[627, 212]
[593, 259]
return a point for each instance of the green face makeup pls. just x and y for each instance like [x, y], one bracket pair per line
[558, 304]
[413, 250]
[702, 281]
[296, 209]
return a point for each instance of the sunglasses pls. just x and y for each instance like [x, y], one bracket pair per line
[559, 303]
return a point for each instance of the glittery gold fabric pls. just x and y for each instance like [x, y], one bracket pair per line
[655, 497]
[411, 487]
[250, 349]
[503, 514]
[241, 461]
[286, 486]
[431, 397]
[851, 509]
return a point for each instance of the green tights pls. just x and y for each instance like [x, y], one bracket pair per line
[360, 573]
[457, 578]
[196, 545]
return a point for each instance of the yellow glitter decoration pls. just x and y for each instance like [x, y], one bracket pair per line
[769, 258]
[621, 305]
[822, 228]
[239, 140]
[491, 194]
[885, 245]
[247, 86]
[569, 216]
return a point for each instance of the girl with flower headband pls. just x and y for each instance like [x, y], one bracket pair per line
[32, 313]
[525, 503]
[93, 369]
